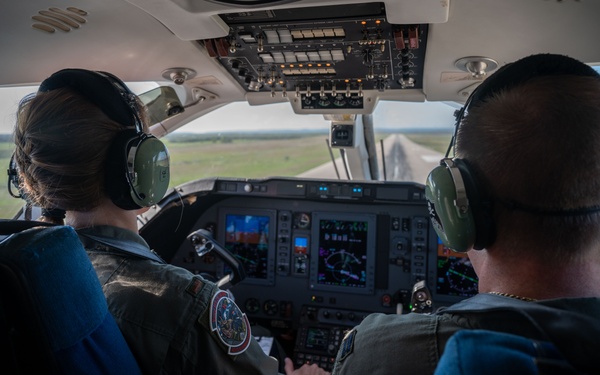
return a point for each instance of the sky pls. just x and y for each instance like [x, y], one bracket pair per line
[237, 116]
[9, 100]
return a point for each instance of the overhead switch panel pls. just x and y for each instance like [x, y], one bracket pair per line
[327, 55]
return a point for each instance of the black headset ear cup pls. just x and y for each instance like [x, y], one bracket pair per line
[460, 212]
[137, 170]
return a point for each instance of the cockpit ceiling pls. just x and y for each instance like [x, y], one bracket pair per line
[447, 31]
[183, 16]
[315, 54]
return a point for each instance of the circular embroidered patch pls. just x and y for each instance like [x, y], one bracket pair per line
[230, 324]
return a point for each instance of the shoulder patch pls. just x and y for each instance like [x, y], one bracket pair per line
[229, 323]
[347, 345]
[194, 287]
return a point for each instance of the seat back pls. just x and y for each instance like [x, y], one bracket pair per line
[53, 313]
[475, 352]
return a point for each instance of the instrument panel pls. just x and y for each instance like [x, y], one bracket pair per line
[319, 255]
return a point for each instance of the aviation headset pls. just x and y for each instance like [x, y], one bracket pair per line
[459, 209]
[137, 166]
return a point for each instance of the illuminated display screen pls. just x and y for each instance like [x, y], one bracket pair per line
[247, 237]
[300, 245]
[342, 256]
[455, 274]
[317, 338]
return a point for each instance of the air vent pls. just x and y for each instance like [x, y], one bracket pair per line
[58, 19]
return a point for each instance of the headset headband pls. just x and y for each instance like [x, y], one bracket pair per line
[103, 89]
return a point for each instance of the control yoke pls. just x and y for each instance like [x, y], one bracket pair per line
[203, 243]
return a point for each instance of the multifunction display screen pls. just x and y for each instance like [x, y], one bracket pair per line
[342, 256]
[455, 274]
[247, 237]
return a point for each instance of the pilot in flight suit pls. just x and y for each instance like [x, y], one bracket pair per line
[191, 326]
[529, 225]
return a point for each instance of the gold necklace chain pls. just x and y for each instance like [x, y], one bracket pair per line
[527, 299]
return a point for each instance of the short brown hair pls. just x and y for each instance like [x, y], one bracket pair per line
[538, 144]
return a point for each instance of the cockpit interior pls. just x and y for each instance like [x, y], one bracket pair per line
[305, 257]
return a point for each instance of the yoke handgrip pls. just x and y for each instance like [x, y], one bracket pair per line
[203, 243]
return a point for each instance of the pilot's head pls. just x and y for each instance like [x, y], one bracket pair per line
[528, 139]
[82, 138]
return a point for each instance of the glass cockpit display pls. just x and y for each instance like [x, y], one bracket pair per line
[248, 236]
[455, 274]
[345, 254]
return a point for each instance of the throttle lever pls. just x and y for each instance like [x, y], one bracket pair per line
[203, 243]
[421, 301]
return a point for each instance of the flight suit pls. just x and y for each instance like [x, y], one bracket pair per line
[413, 343]
[175, 322]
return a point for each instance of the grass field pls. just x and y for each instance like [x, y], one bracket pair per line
[250, 158]
[246, 158]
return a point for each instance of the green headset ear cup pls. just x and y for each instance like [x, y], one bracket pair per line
[151, 165]
[455, 229]
[459, 230]
[137, 171]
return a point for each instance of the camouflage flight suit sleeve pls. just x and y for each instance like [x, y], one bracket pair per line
[394, 344]
[176, 322]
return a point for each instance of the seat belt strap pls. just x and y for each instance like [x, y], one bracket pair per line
[128, 247]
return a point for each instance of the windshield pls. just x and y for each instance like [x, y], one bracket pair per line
[239, 140]
[243, 141]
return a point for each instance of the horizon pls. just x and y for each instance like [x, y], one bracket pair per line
[240, 116]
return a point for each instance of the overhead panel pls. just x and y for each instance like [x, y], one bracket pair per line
[327, 56]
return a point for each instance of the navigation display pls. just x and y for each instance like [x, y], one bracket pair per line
[345, 253]
[455, 274]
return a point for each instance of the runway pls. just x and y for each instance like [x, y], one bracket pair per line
[404, 161]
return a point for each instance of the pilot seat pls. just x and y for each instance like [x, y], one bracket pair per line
[53, 313]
